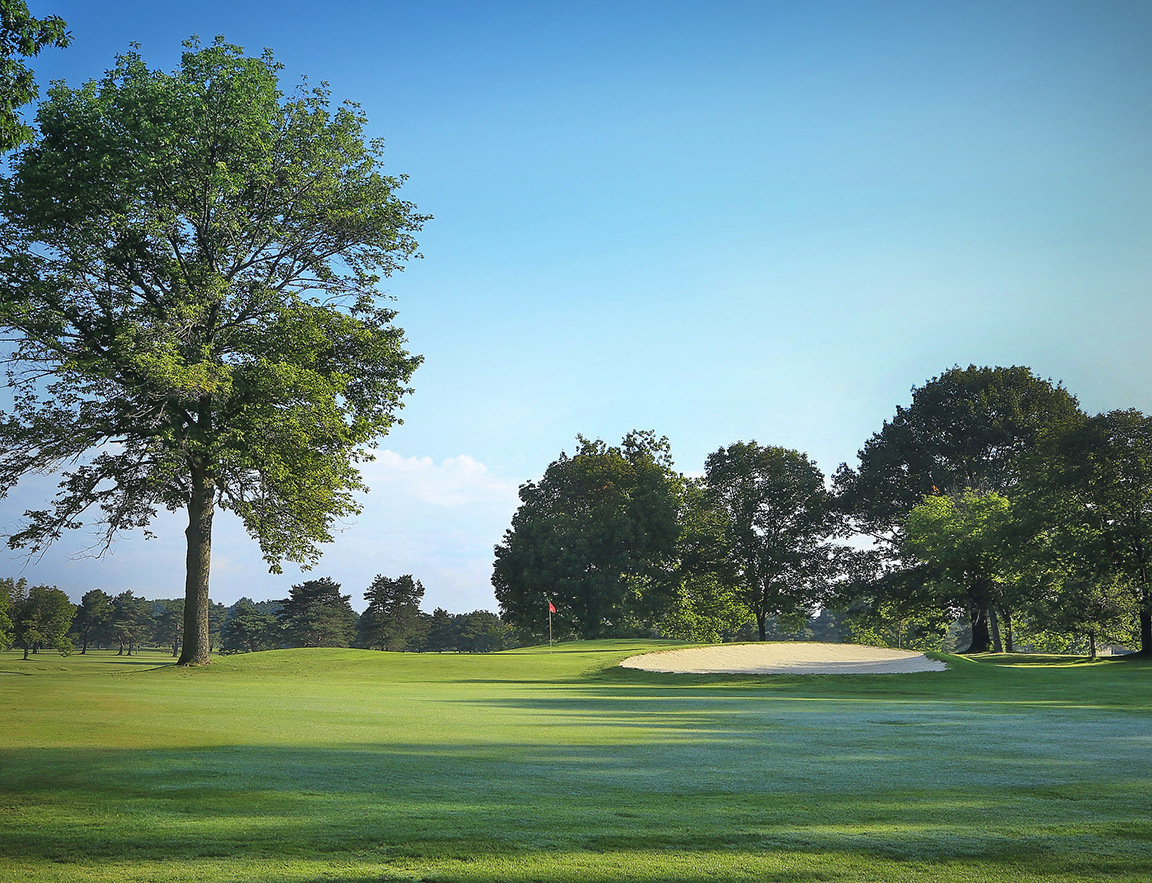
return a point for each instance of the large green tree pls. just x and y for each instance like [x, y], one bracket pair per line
[131, 622]
[249, 627]
[93, 614]
[1089, 489]
[41, 616]
[961, 540]
[315, 614]
[392, 619]
[22, 36]
[966, 429]
[597, 537]
[189, 267]
[778, 520]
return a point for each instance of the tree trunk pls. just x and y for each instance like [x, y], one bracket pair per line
[761, 621]
[199, 560]
[1091, 645]
[1145, 632]
[994, 624]
[981, 639]
[1009, 646]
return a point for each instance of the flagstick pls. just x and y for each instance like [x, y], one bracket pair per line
[549, 626]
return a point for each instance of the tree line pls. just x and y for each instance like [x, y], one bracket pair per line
[315, 614]
[991, 503]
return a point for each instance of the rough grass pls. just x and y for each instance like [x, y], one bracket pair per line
[310, 765]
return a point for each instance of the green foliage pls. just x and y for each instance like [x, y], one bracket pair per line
[40, 616]
[965, 429]
[93, 617]
[8, 597]
[777, 520]
[21, 37]
[1089, 494]
[597, 536]
[168, 623]
[960, 540]
[886, 623]
[248, 629]
[188, 265]
[392, 619]
[315, 614]
[706, 604]
[482, 631]
[131, 623]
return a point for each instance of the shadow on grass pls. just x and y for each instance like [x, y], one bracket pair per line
[829, 784]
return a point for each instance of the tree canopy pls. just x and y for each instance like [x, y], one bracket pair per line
[392, 619]
[778, 518]
[965, 429]
[40, 616]
[315, 614]
[1089, 489]
[597, 537]
[960, 539]
[188, 272]
[22, 36]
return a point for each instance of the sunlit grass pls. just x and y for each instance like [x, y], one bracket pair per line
[537, 765]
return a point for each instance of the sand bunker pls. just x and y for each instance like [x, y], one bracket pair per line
[785, 657]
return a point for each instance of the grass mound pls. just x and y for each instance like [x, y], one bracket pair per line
[304, 765]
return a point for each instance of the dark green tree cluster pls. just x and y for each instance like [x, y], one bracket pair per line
[131, 622]
[316, 614]
[995, 499]
[34, 618]
[480, 631]
[620, 544]
[392, 620]
[991, 500]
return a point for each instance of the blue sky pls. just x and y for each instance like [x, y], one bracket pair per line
[723, 222]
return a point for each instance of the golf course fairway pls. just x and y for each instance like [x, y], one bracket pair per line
[356, 766]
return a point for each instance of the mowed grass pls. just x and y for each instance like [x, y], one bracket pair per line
[343, 765]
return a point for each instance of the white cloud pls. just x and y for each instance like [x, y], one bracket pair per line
[456, 481]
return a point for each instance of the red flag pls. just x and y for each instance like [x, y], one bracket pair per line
[551, 607]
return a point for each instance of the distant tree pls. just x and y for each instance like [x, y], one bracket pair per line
[217, 613]
[1088, 607]
[22, 37]
[93, 614]
[168, 623]
[189, 266]
[41, 616]
[315, 614]
[131, 621]
[248, 629]
[392, 619]
[440, 631]
[597, 536]
[483, 632]
[778, 520]
[7, 601]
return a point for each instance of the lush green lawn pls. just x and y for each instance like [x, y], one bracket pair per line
[529, 765]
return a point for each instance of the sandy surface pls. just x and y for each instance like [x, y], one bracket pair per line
[785, 657]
